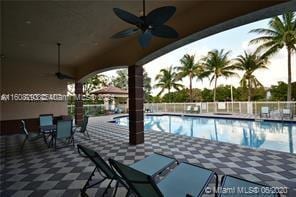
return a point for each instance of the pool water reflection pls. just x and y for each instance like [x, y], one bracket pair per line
[268, 135]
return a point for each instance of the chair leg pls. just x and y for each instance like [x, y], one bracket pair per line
[88, 180]
[44, 138]
[115, 189]
[86, 132]
[73, 141]
[216, 185]
[106, 190]
[55, 143]
[128, 193]
[23, 144]
[50, 143]
[83, 193]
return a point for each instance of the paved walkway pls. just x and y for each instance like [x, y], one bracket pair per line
[39, 171]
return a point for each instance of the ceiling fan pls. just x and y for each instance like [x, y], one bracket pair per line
[58, 74]
[152, 24]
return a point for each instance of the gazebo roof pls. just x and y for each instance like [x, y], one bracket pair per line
[111, 90]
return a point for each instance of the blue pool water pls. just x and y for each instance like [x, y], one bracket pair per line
[264, 134]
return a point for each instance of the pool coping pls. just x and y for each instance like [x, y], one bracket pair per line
[230, 116]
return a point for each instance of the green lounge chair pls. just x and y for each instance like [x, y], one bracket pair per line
[63, 133]
[185, 180]
[237, 187]
[153, 165]
[83, 128]
[28, 135]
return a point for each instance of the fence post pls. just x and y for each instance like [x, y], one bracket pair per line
[240, 107]
[255, 108]
[232, 106]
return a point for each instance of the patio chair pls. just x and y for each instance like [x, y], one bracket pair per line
[189, 109]
[243, 188]
[185, 180]
[196, 109]
[83, 128]
[63, 133]
[152, 165]
[46, 119]
[148, 110]
[28, 135]
[117, 110]
[287, 113]
[265, 112]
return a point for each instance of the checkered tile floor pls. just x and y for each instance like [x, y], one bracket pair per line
[40, 171]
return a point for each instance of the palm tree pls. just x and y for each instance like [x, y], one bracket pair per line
[217, 64]
[189, 68]
[280, 33]
[167, 79]
[249, 63]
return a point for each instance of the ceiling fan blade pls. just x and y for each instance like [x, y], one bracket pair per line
[145, 38]
[128, 17]
[125, 33]
[160, 15]
[164, 31]
[63, 76]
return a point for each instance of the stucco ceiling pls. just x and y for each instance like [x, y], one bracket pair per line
[30, 29]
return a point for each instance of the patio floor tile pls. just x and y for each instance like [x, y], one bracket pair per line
[39, 171]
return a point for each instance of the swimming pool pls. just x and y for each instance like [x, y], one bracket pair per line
[278, 136]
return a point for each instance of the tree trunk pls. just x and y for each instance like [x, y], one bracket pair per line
[249, 90]
[190, 86]
[215, 89]
[169, 95]
[289, 94]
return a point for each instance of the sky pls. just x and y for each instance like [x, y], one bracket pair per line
[236, 40]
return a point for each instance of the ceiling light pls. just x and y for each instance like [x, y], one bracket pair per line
[28, 22]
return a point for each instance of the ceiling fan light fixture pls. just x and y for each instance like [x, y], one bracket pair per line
[154, 23]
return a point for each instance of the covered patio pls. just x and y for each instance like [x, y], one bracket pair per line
[42, 172]
[30, 31]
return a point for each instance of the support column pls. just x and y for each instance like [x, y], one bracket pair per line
[79, 104]
[136, 104]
